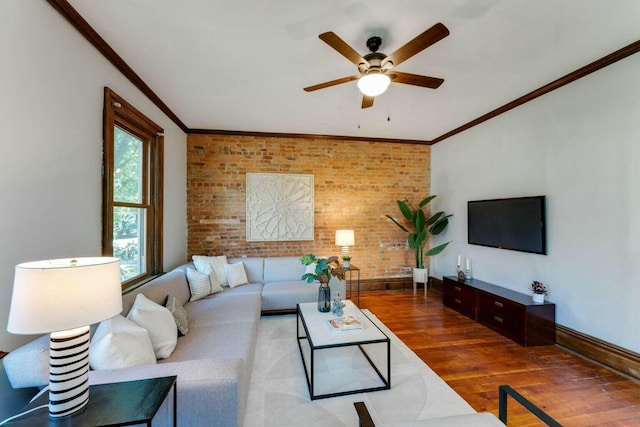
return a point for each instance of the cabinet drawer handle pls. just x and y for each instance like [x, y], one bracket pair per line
[498, 304]
[498, 319]
[457, 301]
[457, 288]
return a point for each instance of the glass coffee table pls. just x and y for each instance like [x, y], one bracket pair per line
[338, 363]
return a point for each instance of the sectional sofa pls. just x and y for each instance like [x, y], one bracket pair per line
[213, 361]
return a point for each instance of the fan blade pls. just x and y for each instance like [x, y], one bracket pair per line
[342, 48]
[367, 101]
[331, 83]
[415, 80]
[418, 44]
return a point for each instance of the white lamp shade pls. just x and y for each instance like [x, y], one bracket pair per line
[62, 294]
[345, 238]
[373, 84]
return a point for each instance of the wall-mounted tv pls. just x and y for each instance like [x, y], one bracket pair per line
[517, 224]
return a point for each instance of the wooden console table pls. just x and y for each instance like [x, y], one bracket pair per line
[508, 312]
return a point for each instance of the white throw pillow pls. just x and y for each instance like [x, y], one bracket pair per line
[202, 284]
[236, 275]
[158, 321]
[120, 343]
[217, 263]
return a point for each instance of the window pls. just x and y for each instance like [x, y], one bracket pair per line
[132, 190]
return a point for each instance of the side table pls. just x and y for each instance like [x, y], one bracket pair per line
[351, 270]
[115, 404]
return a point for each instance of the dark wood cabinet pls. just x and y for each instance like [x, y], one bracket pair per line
[508, 312]
[461, 298]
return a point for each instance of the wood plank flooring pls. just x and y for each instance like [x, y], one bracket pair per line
[475, 360]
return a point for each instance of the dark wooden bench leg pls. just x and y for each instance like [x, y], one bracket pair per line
[363, 415]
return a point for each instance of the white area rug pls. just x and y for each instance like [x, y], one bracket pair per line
[279, 396]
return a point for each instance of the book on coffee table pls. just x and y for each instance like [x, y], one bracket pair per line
[345, 323]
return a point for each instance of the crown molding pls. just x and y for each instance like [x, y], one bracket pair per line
[596, 65]
[304, 136]
[91, 35]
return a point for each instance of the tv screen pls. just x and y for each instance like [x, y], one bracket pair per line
[517, 224]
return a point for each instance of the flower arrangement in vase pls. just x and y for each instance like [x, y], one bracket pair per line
[320, 269]
[539, 290]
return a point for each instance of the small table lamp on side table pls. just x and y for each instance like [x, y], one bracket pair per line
[63, 297]
[345, 238]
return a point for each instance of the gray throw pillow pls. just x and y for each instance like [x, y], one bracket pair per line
[179, 314]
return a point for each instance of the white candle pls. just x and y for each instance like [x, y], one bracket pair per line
[459, 261]
[468, 264]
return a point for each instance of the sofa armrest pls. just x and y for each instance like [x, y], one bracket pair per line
[207, 390]
[28, 366]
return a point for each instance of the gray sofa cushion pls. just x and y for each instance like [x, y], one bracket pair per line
[228, 341]
[284, 295]
[283, 268]
[228, 306]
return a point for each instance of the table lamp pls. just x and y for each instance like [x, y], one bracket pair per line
[63, 297]
[345, 238]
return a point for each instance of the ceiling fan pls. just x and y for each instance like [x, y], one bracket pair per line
[377, 69]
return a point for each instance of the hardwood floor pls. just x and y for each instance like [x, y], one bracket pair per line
[474, 361]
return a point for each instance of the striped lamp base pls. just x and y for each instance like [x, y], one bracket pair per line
[68, 371]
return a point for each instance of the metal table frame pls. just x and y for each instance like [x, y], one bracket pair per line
[310, 370]
[351, 270]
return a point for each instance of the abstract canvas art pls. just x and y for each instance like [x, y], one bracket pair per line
[279, 207]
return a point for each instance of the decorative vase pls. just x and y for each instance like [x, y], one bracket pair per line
[538, 298]
[346, 264]
[324, 298]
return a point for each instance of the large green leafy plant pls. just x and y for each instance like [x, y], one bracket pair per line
[422, 228]
[323, 267]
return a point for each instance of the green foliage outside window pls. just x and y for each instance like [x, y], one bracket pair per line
[127, 183]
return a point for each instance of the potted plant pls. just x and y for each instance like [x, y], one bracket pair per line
[320, 269]
[346, 261]
[422, 228]
[539, 290]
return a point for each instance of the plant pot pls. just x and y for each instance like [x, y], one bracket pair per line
[420, 275]
[538, 298]
[324, 298]
[346, 264]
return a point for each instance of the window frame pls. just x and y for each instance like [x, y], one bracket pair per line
[118, 112]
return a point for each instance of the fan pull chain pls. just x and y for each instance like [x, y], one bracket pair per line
[389, 104]
[359, 109]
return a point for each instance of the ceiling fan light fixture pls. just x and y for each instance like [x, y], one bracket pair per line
[373, 84]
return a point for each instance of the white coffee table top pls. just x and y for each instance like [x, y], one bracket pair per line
[320, 335]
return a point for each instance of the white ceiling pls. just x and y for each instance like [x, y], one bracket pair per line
[241, 65]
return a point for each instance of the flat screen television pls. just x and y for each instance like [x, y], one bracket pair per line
[516, 223]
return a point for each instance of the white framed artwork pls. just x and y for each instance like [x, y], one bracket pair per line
[279, 207]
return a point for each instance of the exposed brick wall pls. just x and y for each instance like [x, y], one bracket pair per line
[356, 184]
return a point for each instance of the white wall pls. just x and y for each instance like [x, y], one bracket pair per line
[579, 146]
[51, 94]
